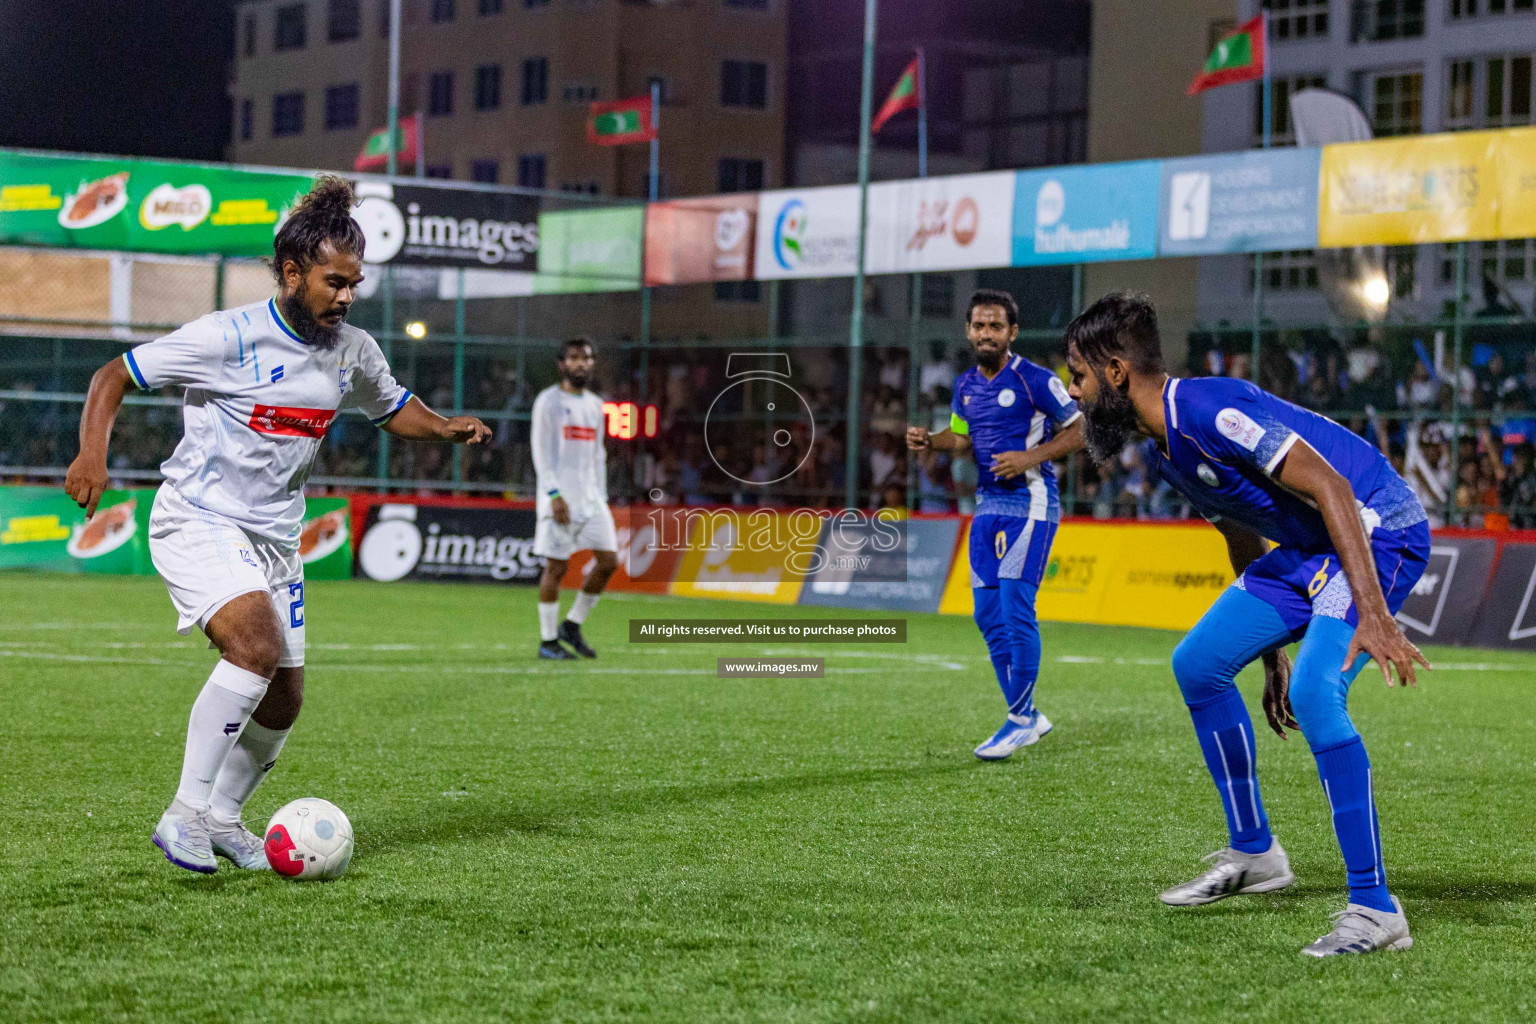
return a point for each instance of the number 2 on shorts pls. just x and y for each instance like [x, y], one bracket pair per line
[296, 606]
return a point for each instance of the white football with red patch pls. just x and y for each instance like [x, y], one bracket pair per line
[309, 840]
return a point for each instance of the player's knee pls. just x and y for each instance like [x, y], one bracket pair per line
[1318, 702]
[257, 648]
[604, 562]
[1198, 676]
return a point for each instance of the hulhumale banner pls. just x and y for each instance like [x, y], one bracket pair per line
[1086, 213]
[1259, 201]
[142, 205]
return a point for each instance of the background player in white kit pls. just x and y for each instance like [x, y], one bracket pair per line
[263, 384]
[572, 469]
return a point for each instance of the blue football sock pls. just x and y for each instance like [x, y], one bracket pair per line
[1226, 740]
[1346, 775]
[995, 631]
[1019, 608]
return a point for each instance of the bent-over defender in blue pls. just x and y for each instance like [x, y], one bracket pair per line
[1260, 467]
[1019, 409]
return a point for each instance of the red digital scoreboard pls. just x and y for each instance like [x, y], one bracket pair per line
[628, 421]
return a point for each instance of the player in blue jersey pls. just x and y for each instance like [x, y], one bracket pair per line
[1016, 417]
[1352, 541]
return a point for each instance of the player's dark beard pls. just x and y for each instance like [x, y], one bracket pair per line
[1109, 422]
[296, 312]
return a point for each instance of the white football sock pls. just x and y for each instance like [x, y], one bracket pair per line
[245, 769]
[582, 606]
[218, 716]
[549, 620]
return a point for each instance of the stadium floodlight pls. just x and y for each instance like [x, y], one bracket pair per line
[1375, 290]
[416, 330]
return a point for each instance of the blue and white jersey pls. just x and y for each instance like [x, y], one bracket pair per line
[1226, 437]
[1019, 409]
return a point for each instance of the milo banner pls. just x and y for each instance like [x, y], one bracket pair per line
[142, 205]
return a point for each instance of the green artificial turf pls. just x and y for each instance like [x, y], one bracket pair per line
[633, 839]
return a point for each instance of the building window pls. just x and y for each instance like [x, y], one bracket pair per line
[587, 185]
[488, 87]
[341, 107]
[439, 170]
[530, 170]
[1291, 271]
[1479, 8]
[746, 5]
[1396, 106]
[343, 21]
[744, 83]
[535, 80]
[1508, 94]
[1509, 261]
[580, 92]
[287, 114]
[440, 94]
[487, 172]
[535, 3]
[289, 33]
[490, 7]
[1284, 132]
[1459, 112]
[739, 175]
[1380, 20]
[1490, 92]
[442, 10]
[247, 120]
[248, 28]
[738, 291]
[1297, 19]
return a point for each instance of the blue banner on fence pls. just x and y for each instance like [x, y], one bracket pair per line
[930, 544]
[1086, 213]
[1260, 201]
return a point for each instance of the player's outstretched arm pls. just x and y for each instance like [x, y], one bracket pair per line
[87, 477]
[1007, 465]
[921, 439]
[1309, 474]
[416, 422]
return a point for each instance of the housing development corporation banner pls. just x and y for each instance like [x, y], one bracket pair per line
[1260, 201]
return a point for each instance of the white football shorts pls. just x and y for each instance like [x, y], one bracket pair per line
[596, 533]
[207, 561]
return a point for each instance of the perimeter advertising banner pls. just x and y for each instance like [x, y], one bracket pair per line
[1508, 614]
[651, 541]
[692, 241]
[760, 555]
[810, 232]
[142, 205]
[447, 543]
[932, 224]
[1086, 213]
[1423, 188]
[1517, 183]
[596, 250]
[448, 227]
[1260, 201]
[925, 562]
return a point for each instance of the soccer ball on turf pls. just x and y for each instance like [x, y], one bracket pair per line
[309, 840]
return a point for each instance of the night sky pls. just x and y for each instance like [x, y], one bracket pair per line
[131, 77]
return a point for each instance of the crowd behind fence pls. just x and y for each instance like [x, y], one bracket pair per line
[1452, 403]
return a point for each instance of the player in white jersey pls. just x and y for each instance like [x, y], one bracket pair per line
[572, 469]
[263, 383]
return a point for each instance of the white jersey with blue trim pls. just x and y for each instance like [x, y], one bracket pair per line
[1019, 409]
[259, 400]
[1227, 437]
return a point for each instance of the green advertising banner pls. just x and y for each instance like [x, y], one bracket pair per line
[42, 529]
[141, 205]
[589, 250]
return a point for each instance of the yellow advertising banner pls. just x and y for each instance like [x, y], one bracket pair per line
[1163, 576]
[746, 556]
[1423, 188]
[1517, 183]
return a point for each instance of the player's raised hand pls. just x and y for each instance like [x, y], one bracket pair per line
[1277, 692]
[86, 480]
[560, 510]
[917, 438]
[1382, 638]
[1007, 465]
[466, 430]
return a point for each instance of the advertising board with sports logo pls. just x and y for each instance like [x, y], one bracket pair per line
[1428, 188]
[651, 540]
[690, 241]
[41, 528]
[809, 232]
[589, 250]
[949, 223]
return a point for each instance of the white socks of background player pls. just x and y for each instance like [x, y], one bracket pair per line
[582, 606]
[549, 620]
[245, 769]
[219, 715]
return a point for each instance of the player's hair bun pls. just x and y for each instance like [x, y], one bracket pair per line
[332, 197]
[323, 216]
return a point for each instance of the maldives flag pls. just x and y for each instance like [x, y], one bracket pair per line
[1238, 57]
[375, 152]
[906, 94]
[620, 121]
